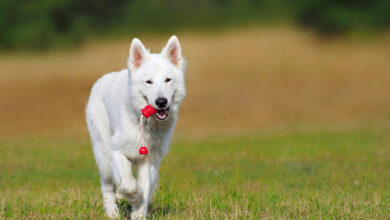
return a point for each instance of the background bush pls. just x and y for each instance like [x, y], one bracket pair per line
[41, 24]
[337, 16]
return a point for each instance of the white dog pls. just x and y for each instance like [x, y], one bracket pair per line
[113, 113]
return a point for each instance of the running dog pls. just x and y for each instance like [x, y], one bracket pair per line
[113, 112]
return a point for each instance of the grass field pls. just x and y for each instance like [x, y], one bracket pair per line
[313, 175]
[277, 124]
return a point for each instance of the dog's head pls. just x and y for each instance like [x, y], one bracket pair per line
[157, 79]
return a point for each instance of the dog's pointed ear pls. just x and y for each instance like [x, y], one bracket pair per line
[173, 52]
[137, 54]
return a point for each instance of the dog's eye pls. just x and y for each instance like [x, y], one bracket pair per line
[149, 82]
[168, 80]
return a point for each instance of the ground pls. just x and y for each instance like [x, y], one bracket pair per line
[278, 124]
[331, 175]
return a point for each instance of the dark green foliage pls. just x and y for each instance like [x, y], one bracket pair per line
[42, 23]
[45, 23]
[38, 24]
[337, 16]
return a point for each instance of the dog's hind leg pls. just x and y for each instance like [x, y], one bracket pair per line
[103, 161]
[100, 136]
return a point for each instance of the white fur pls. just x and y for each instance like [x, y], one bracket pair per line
[113, 113]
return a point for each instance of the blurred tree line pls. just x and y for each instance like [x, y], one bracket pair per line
[39, 24]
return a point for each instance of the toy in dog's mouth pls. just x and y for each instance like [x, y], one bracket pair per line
[162, 114]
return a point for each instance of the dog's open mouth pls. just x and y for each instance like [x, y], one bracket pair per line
[162, 114]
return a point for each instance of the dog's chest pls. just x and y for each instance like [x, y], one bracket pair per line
[155, 135]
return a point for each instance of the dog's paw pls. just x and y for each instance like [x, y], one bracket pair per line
[132, 191]
[110, 206]
[127, 188]
[112, 211]
[138, 215]
[136, 198]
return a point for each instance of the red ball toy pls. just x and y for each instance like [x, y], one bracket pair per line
[148, 111]
[143, 150]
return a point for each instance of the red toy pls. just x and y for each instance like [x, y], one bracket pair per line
[148, 111]
[143, 150]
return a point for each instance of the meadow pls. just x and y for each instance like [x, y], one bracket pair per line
[278, 124]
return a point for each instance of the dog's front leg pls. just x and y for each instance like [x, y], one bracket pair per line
[127, 185]
[147, 179]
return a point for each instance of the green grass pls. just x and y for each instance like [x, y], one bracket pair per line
[309, 175]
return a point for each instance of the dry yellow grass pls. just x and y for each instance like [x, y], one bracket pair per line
[238, 80]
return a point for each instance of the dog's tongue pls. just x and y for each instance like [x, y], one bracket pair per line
[162, 112]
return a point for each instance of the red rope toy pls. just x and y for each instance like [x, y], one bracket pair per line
[146, 112]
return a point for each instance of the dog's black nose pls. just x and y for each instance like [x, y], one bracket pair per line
[161, 102]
